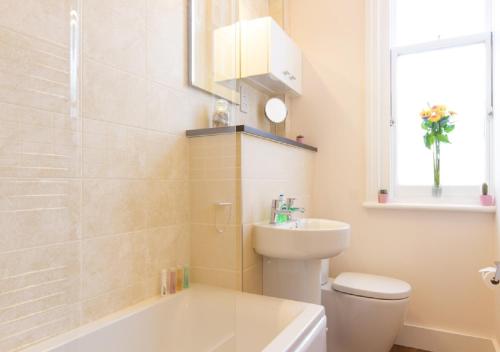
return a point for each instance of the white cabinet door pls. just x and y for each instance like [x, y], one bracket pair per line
[269, 59]
[279, 52]
[285, 61]
[294, 62]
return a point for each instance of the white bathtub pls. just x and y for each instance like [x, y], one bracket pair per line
[202, 318]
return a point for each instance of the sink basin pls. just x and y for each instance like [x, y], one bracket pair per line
[306, 239]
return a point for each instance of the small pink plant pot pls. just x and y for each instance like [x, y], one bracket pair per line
[487, 200]
[300, 139]
[383, 198]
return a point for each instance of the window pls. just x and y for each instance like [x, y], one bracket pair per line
[431, 52]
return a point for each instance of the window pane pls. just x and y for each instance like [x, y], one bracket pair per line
[425, 20]
[455, 77]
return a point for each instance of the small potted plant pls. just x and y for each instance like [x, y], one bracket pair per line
[485, 198]
[300, 138]
[383, 196]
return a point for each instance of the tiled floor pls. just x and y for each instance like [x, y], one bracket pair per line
[405, 349]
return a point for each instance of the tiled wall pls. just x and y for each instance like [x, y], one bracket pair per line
[247, 172]
[268, 169]
[135, 190]
[215, 178]
[93, 204]
[40, 190]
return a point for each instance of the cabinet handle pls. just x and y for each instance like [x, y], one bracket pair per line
[293, 78]
[286, 73]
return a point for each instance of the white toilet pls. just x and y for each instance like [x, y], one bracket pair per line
[364, 312]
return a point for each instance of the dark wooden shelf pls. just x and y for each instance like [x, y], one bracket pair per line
[250, 131]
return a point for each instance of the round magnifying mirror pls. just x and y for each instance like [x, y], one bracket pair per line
[276, 110]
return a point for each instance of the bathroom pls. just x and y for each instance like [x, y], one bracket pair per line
[145, 143]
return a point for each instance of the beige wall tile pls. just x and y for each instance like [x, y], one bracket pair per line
[200, 108]
[167, 42]
[167, 109]
[113, 206]
[106, 191]
[112, 262]
[215, 158]
[46, 19]
[250, 256]
[182, 245]
[114, 151]
[112, 95]
[221, 278]
[23, 54]
[269, 169]
[35, 213]
[33, 100]
[164, 249]
[51, 323]
[215, 177]
[205, 195]
[15, 333]
[167, 203]
[220, 168]
[213, 250]
[166, 156]
[45, 279]
[35, 73]
[112, 301]
[253, 279]
[264, 159]
[115, 33]
[257, 196]
[223, 145]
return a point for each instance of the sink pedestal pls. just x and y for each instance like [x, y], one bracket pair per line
[293, 279]
[293, 252]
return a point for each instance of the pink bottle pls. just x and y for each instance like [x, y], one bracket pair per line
[172, 280]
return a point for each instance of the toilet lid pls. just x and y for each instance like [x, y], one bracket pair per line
[371, 286]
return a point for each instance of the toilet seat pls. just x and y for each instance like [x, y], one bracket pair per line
[371, 286]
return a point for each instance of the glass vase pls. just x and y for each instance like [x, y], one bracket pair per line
[436, 164]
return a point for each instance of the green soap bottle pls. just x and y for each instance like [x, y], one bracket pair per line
[281, 218]
[186, 276]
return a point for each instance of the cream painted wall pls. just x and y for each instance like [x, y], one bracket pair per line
[496, 102]
[440, 252]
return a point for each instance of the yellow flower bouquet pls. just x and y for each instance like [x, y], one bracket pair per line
[437, 123]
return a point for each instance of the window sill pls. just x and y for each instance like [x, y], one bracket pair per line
[473, 208]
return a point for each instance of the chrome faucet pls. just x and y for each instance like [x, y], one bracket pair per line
[289, 210]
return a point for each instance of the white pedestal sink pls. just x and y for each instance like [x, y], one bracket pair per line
[293, 252]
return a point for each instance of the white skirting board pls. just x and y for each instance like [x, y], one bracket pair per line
[443, 341]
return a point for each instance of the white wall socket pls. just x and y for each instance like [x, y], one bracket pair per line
[244, 107]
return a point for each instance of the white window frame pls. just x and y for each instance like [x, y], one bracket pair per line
[381, 137]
